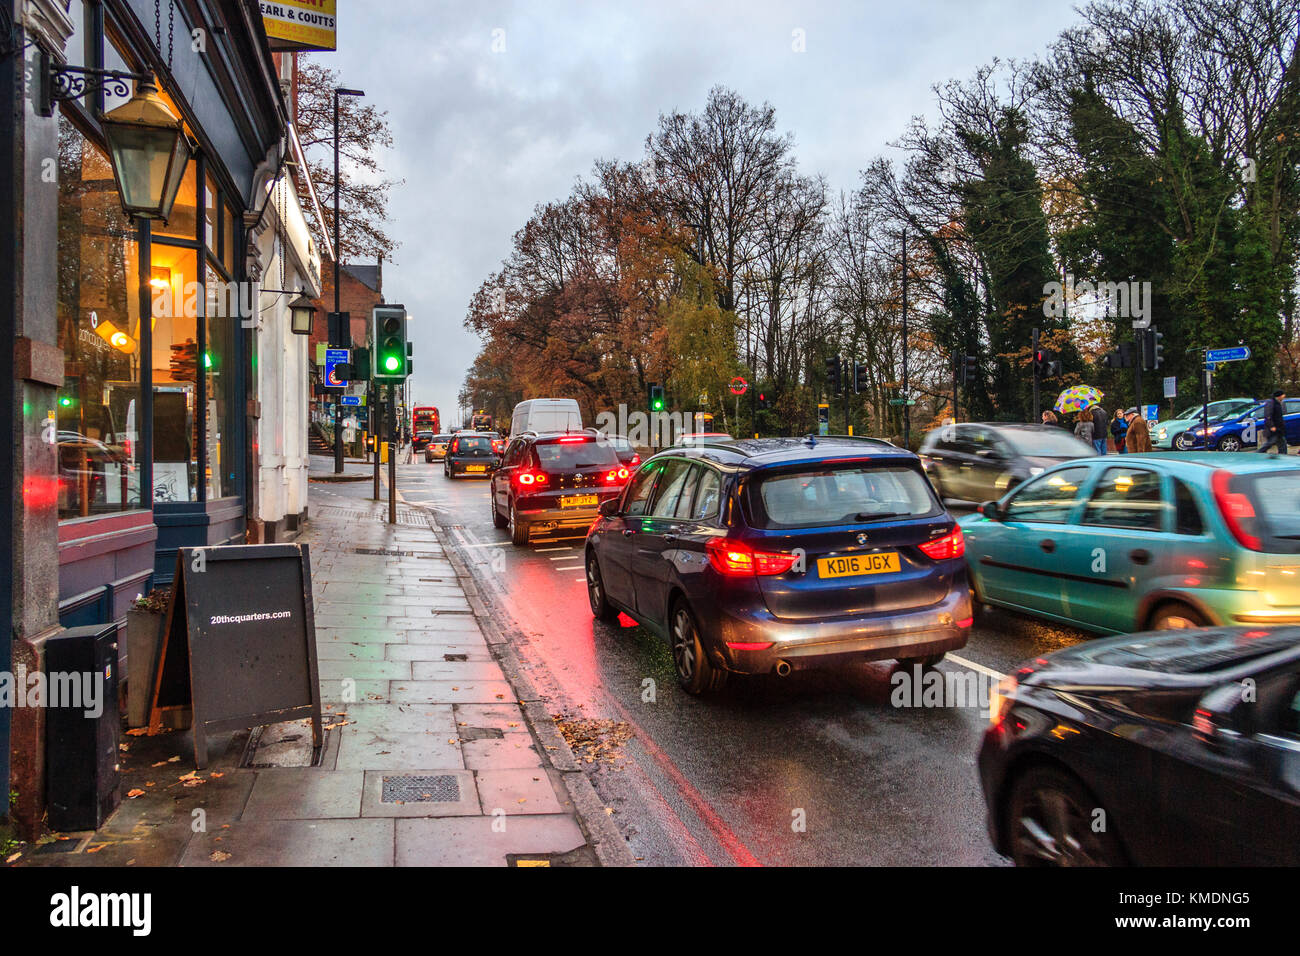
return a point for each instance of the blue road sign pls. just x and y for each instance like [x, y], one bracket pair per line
[1238, 353]
[350, 400]
[335, 357]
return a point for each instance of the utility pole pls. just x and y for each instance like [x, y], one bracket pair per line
[342, 330]
[392, 454]
[907, 409]
[375, 419]
[1139, 360]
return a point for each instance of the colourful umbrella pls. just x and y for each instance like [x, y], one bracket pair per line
[1078, 397]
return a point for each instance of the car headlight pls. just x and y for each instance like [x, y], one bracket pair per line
[1162, 434]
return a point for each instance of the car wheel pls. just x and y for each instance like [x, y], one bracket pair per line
[1229, 443]
[518, 529]
[695, 673]
[1175, 616]
[497, 520]
[601, 609]
[1182, 441]
[1051, 817]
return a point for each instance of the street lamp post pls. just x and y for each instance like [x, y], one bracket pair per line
[342, 329]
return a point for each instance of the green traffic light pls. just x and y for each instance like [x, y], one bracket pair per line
[659, 406]
[392, 363]
[65, 401]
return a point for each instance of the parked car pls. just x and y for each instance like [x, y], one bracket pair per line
[763, 556]
[976, 462]
[421, 440]
[1169, 434]
[1141, 542]
[1153, 735]
[546, 415]
[470, 453]
[436, 449]
[1239, 430]
[554, 482]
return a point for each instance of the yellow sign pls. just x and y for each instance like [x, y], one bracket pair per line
[299, 24]
[884, 562]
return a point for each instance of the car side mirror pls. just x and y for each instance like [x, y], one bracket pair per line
[609, 507]
[991, 510]
[1218, 720]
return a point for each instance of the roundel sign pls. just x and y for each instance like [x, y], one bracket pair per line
[738, 386]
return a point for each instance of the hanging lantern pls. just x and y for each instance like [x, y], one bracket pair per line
[149, 151]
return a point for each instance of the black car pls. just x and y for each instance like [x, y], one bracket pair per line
[767, 555]
[421, 440]
[554, 481]
[981, 462]
[1169, 748]
[470, 453]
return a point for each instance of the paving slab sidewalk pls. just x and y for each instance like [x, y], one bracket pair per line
[432, 758]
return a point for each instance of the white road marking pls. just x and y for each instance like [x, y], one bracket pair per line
[575, 567]
[978, 668]
[562, 557]
[488, 544]
[542, 550]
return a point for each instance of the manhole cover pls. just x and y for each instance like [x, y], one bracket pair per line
[408, 788]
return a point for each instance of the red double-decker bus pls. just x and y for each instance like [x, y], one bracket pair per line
[424, 418]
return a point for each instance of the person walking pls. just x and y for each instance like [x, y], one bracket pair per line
[1138, 437]
[1119, 430]
[1083, 428]
[1098, 428]
[1049, 418]
[1275, 424]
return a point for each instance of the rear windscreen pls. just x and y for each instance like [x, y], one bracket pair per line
[1276, 499]
[853, 495]
[568, 456]
[472, 446]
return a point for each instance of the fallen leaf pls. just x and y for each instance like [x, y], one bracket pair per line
[219, 856]
[135, 793]
[138, 732]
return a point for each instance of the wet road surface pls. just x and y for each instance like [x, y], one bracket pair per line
[818, 768]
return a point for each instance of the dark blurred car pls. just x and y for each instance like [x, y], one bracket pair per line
[763, 556]
[421, 440]
[470, 453]
[1170, 748]
[979, 462]
[554, 481]
[625, 450]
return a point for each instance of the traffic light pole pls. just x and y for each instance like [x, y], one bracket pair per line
[848, 368]
[1139, 360]
[1033, 360]
[392, 454]
[372, 400]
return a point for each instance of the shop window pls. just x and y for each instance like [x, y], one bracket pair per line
[228, 239]
[177, 299]
[224, 307]
[98, 408]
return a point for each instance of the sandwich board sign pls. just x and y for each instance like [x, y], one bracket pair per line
[239, 642]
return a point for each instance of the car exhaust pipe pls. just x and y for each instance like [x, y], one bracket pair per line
[782, 668]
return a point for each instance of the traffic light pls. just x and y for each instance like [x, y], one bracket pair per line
[1045, 361]
[833, 374]
[360, 365]
[657, 402]
[1122, 357]
[389, 337]
[860, 383]
[1154, 352]
[969, 368]
[764, 401]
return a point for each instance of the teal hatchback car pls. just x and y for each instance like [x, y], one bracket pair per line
[1116, 545]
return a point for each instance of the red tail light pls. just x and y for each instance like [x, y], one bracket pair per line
[566, 441]
[636, 460]
[1235, 508]
[531, 478]
[951, 545]
[617, 475]
[737, 559]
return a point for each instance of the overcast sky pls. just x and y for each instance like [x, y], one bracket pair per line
[483, 136]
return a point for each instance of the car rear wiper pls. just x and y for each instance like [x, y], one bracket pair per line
[880, 515]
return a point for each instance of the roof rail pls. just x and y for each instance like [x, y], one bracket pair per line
[868, 438]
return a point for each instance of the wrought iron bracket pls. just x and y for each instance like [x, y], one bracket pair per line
[55, 82]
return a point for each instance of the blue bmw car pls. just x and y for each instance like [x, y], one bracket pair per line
[1242, 429]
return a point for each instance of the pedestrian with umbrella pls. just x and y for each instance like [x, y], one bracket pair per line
[1080, 398]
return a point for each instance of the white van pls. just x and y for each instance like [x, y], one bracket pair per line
[546, 415]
